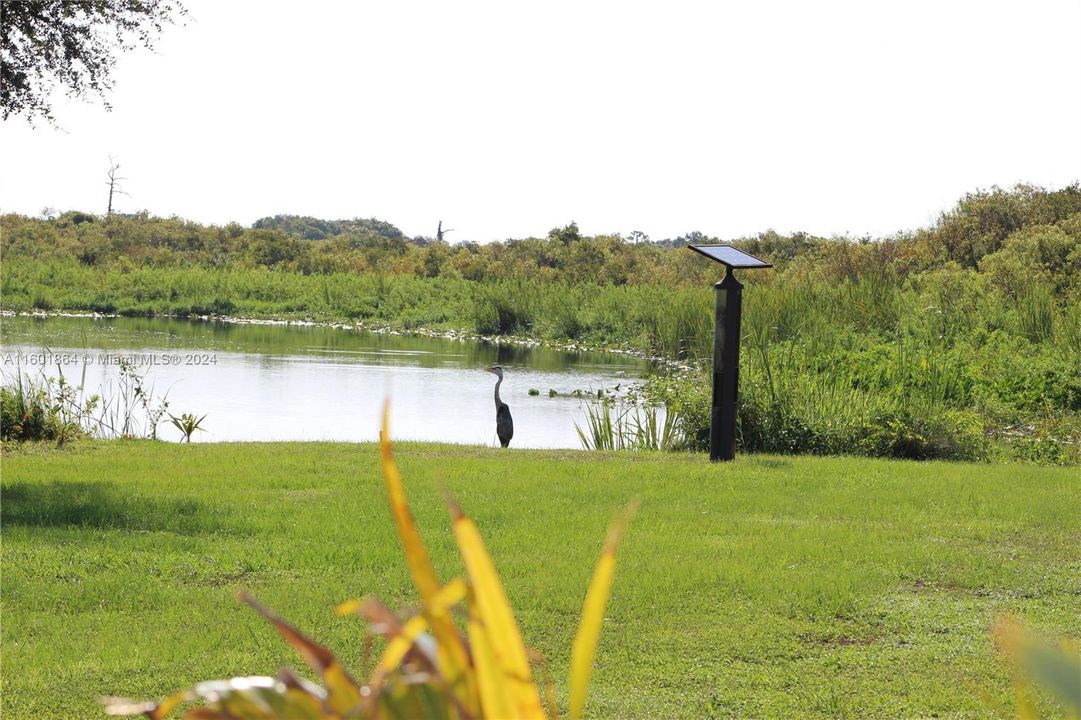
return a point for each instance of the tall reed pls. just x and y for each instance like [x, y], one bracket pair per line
[628, 426]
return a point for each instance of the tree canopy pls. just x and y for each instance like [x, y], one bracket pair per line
[46, 44]
[1015, 238]
[311, 228]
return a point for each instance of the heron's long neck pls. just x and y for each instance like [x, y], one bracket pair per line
[497, 384]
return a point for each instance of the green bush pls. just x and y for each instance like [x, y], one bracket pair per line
[809, 414]
[929, 434]
[29, 411]
[687, 395]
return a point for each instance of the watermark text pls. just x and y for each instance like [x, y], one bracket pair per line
[47, 358]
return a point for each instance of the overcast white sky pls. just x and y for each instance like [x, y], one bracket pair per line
[507, 119]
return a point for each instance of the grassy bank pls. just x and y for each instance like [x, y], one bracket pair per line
[770, 587]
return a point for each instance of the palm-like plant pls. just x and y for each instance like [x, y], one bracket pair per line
[187, 424]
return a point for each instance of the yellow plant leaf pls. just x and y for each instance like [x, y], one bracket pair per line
[204, 713]
[261, 697]
[453, 656]
[349, 607]
[450, 646]
[399, 646]
[407, 635]
[490, 684]
[1025, 709]
[407, 638]
[493, 612]
[1055, 668]
[343, 693]
[416, 555]
[589, 627]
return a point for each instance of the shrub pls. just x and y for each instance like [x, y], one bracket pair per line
[781, 413]
[925, 434]
[36, 411]
[687, 396]
[53, 408]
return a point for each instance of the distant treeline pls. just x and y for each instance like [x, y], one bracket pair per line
[1018, 236]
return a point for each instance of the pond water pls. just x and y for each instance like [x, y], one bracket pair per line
[278, 382]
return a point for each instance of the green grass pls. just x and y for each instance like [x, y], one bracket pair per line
[769, 587]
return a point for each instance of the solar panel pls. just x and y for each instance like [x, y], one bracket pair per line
[730, 256]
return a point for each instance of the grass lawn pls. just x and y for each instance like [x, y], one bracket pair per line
[769, 587]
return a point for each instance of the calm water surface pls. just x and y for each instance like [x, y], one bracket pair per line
[273, 382]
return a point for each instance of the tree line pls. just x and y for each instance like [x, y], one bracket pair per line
[1018, 237]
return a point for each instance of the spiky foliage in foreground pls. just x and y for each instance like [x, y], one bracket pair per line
[429, 668]
[1037, 664]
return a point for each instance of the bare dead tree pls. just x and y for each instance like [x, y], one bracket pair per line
[440, 232]
[114, 183]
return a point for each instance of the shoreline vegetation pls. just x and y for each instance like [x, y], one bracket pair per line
[958, 341]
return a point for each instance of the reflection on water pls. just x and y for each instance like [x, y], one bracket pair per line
[273, 382]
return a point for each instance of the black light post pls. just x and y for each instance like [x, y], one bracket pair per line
[726, 337]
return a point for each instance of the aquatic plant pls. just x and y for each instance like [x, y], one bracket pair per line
[628, 426]
[187, 424]
[55, 408]
[45, 409]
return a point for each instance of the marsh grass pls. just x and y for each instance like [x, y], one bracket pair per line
[1036, 315]
[683, 325]
[51, 407]
[621, 425]
[39, 409]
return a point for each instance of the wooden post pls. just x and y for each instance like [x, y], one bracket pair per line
[726, 337]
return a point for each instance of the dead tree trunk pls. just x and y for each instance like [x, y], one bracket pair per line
[440, 232]
[114, 183]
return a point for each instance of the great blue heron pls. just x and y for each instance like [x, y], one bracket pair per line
[504, 426]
